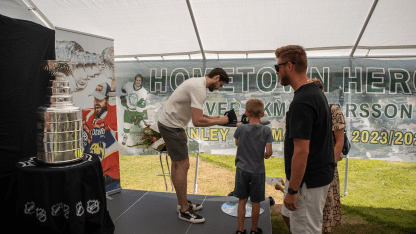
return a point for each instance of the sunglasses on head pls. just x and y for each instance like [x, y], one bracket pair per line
[276, 67]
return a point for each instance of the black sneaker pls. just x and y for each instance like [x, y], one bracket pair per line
[190, 216]
[192, 206]
[259, 231]
[238, 232]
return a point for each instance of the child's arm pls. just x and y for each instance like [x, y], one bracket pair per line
[237, 135]
[269, 150]
[279, 187]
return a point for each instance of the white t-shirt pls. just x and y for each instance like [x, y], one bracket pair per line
[192, 93]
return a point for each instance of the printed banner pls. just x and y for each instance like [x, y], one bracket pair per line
[93, 89]
[377, 98]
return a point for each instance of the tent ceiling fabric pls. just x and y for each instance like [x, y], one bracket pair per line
[393, 24]
[137, 27]
[235, 25]
[16, 10]
[155, 27]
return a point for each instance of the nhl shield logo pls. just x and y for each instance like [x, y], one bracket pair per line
[88, 158]
[41, 214]
[93, 206]
[56, 209]
[29, 208]
[66, 211]
[29, 163]
[80, 209]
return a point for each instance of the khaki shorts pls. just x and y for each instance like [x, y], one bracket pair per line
[176, 142]
[308, 217]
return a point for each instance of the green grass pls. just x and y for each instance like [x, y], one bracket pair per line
[274, 166]
[379, 192]
[381, 195]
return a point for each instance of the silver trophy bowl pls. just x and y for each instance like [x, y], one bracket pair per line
[59, 122]
[59, 69]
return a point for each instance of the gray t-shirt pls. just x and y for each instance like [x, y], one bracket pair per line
[252, 139]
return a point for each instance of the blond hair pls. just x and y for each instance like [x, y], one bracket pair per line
[319, 83]
[295, 54]
[254, 107]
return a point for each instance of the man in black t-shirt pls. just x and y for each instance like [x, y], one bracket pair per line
[309, 154]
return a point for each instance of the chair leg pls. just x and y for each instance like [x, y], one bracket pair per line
[163, 171]
[170, 176]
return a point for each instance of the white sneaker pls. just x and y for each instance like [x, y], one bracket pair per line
[190, 216]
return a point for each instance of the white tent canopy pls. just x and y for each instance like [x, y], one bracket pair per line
[211, 28]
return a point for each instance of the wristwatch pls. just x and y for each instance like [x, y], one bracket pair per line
[291, 192]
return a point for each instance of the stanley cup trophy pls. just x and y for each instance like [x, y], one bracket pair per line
[59, 122]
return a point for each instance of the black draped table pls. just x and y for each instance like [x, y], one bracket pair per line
[67, 198]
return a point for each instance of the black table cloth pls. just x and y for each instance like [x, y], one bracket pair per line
[58, 199]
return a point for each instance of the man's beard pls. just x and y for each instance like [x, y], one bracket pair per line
[98, 111]
[211, 87]
[284, 79]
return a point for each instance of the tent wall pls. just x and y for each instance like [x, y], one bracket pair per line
[24, 45]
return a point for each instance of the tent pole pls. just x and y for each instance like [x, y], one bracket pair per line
[196, 29]
[363, 28]
[348, 130]
[38, 13]
[204, 67]
[346, 177]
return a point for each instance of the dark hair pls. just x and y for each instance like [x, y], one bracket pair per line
[221, 72]
[295, 54]
[138, 75]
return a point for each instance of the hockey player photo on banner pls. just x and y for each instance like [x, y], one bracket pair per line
[93, 88]
[100, 132]
[133, 100]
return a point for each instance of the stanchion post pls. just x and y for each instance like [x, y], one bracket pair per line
[196, 172]
[346, 177]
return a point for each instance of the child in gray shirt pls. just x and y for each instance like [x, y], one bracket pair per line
[252, 139]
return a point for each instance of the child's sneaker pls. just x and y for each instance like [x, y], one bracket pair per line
[192, 206]
[190, 216]
[259, 231]
[239, 232]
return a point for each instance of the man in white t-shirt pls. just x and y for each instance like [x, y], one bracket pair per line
[186, 103]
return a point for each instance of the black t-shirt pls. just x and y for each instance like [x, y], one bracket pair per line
[309, 118]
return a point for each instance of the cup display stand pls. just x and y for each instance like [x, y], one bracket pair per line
[231, 208]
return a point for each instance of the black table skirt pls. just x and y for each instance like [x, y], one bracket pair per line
[58, 199]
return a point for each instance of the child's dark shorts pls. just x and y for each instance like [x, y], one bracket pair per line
[250, 185]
